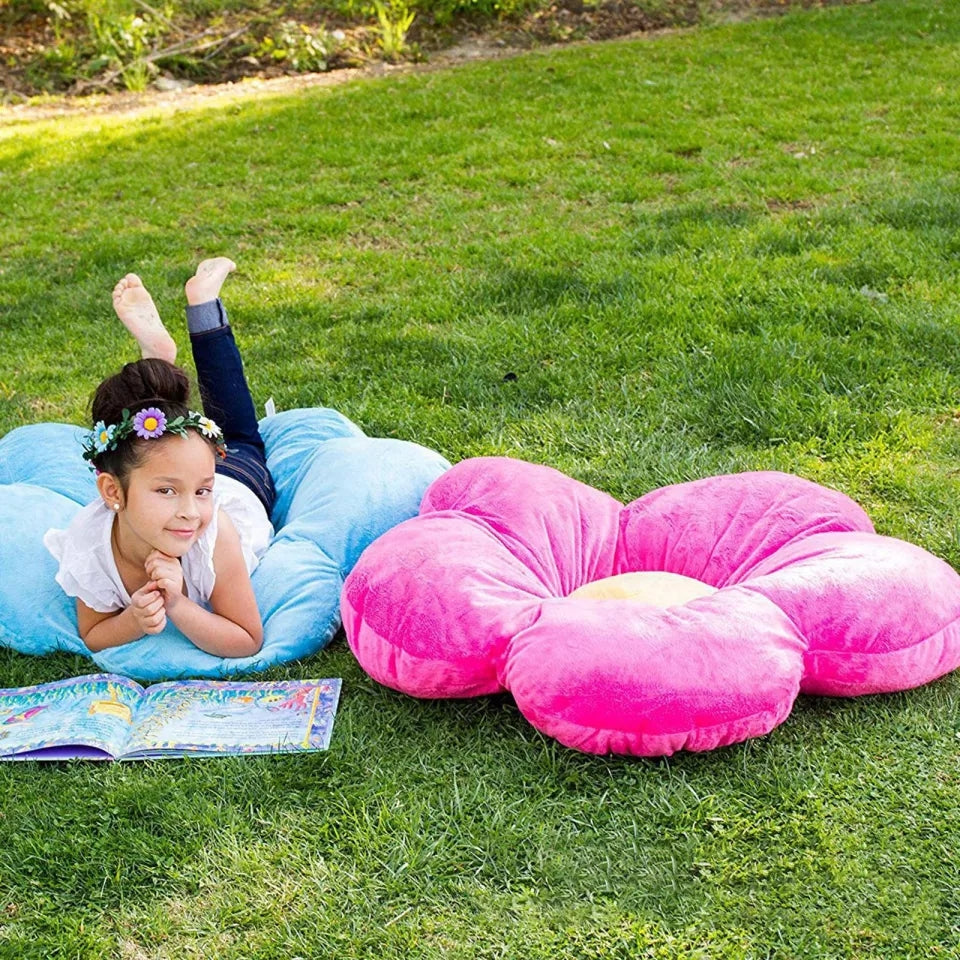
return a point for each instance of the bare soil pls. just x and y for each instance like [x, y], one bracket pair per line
[560, 22]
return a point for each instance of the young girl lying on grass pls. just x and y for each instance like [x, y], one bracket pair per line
[183, 513]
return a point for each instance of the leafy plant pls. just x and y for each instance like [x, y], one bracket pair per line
[123, 40]
[302, 47]
[394, 18]
[59, 14]
[57, 68]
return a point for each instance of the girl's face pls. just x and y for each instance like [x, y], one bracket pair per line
[169, 498]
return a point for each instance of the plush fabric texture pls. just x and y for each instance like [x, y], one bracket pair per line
[473, 597]
[337, 491]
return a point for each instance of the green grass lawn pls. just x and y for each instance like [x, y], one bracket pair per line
[727, 249]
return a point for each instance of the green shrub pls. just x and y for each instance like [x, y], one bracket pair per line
[211, 8]
[445, 11]
[301, 47]
[394, 18]
[56, 69]
[121, 42]
[13, 10]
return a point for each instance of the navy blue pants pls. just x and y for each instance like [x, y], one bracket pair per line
[226, 400]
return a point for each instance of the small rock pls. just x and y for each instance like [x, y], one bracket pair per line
[168, 84]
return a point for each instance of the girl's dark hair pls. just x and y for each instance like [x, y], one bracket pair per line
[145, 383]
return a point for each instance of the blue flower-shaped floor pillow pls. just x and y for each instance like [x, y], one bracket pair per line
[337, 491]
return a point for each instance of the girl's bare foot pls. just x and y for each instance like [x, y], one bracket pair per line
[136, 309]
[206, 284]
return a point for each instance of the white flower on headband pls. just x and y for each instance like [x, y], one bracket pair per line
[206, 426]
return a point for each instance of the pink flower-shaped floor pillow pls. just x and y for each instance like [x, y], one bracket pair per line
[502, 582]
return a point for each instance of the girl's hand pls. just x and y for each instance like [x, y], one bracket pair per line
[148, 608]
[167, 573]
[231, 627]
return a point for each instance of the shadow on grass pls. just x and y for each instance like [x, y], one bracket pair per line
[688, 227]
[775, 357]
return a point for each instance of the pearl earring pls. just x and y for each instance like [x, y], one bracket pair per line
[116, 506]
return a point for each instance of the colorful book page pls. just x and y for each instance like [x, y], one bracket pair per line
[84, 716]
[217, 718]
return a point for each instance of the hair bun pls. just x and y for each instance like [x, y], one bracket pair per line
[145, 382]
[160, 380]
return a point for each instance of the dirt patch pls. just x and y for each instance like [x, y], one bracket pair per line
[561, 22]
[214, 93]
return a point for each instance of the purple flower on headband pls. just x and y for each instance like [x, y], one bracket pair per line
[150, 423]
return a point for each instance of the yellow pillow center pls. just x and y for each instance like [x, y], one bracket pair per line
[653, 587]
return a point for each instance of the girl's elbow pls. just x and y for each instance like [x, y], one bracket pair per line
[248, 645]
[93, 639]
[255, 632]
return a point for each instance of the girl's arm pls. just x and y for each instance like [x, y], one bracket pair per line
[144, 615]
[232, 628]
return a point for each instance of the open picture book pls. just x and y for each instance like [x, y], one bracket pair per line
[108, 717]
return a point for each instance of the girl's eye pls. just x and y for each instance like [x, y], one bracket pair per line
[204, 492]
[165, 490]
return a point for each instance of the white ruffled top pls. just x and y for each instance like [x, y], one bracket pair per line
[85, 550]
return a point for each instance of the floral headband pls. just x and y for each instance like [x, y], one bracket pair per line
[148, 424]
